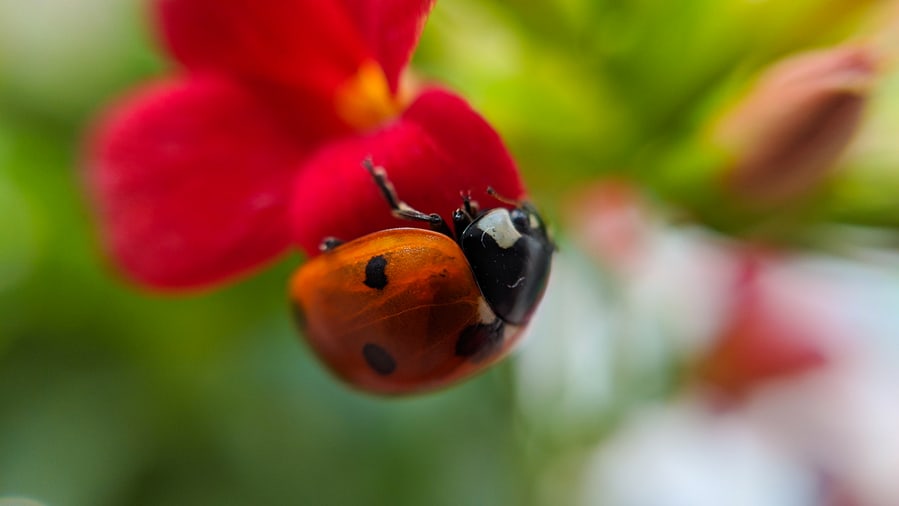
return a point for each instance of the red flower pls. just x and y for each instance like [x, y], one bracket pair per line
[255, 142]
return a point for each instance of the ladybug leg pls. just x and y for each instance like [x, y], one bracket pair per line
[466, 214]
[329, 243]
[461, 220]
[469, 206]
[399, 208]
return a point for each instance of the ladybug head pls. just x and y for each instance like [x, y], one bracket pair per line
[510, 253]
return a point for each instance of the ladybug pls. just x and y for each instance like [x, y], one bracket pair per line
[407, 309]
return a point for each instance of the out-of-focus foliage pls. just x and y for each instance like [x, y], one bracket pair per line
[110, 395]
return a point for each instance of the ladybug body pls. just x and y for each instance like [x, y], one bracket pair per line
[407, 309]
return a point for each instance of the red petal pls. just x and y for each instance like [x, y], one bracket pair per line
[191, 181]
[391, 29]
[439, 148]
[307, 44]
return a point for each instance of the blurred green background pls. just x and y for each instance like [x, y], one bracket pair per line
[111, 395]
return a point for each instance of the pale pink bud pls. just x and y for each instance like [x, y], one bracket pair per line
[788, 132]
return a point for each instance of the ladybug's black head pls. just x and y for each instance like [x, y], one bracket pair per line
[510, 253]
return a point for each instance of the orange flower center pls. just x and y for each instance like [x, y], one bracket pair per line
[365, 101]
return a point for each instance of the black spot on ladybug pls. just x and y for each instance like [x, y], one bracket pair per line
[378, 359]
[478, 341]
[375, 277]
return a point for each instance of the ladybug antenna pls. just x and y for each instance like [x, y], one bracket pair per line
[399, 208]
[505, 200]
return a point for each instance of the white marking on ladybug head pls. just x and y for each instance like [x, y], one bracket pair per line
[498, 225]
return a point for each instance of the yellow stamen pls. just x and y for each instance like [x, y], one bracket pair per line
[365, 101]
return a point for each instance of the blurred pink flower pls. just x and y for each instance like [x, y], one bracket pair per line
[788, 132]
[757, 342]
[612, 221]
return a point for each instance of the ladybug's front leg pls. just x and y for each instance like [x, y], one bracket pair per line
[461, 221]
[466, 214]
[469, 206]
[399, 208]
